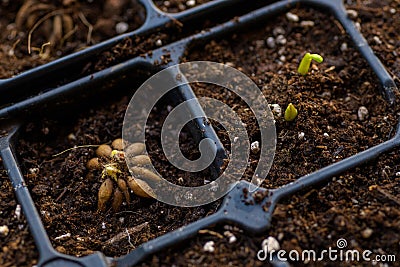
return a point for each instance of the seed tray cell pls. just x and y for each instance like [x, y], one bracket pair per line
[27, 94]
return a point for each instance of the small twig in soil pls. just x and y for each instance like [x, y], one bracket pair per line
[12, 50]
[205, 231]
[331, 68]
[127, 211]
[129, 237]
[67, 235]
[361, 6]
[127, 233]
[385, 193]
[339, 25]
[72, 148]
[87, 24]
[61, 195]
[174, 20]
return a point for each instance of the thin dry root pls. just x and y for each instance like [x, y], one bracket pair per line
[124, 234]
[27, 11]
[105, 193]
[40, 21]
[88, 25]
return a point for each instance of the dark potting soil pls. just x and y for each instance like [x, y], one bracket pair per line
[69, 26]
[361, 205]
[175, 6]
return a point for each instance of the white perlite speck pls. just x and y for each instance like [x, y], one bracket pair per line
[292, 17]
[362, 113]
[18, 212]
[271, 42]
[280, 39]
[343, 47]
[301, 135]
[191, 3]
[158, 42]
[255, 146]
[4, 230]
[358, 25]
[307, 23]
[276, 109]
[209, 246]
[121, 27]
[67, 235]
[366, 233]
[351, 13]
[270, 244]
[377, 40]
[231, 237]
[278, 30]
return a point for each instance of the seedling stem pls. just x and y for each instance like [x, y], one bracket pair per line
[306, 61]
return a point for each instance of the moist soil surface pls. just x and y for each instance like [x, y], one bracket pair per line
[37, 32]
[175, 6]
[361, 205]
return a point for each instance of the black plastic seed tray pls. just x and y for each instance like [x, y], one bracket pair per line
[26, 93]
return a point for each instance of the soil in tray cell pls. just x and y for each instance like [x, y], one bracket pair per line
[67, 197]
[360, 205]
[36, 32]
[17, 246]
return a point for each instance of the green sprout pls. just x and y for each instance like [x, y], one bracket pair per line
[290, 112]
[306, 61]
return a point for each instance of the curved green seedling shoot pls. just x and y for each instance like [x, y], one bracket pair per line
[290, 113]
[306, 61]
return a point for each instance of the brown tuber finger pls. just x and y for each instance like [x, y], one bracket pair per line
[118, 144]
[93, 164]
[139, 160]
[124, 188]
[68, 24]
[117, 200]
[146, 174]
[104, 151]
[140, 188]
[135, 149]
[105, 193]
[23, 13]
[57, 30]
[31, 20]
